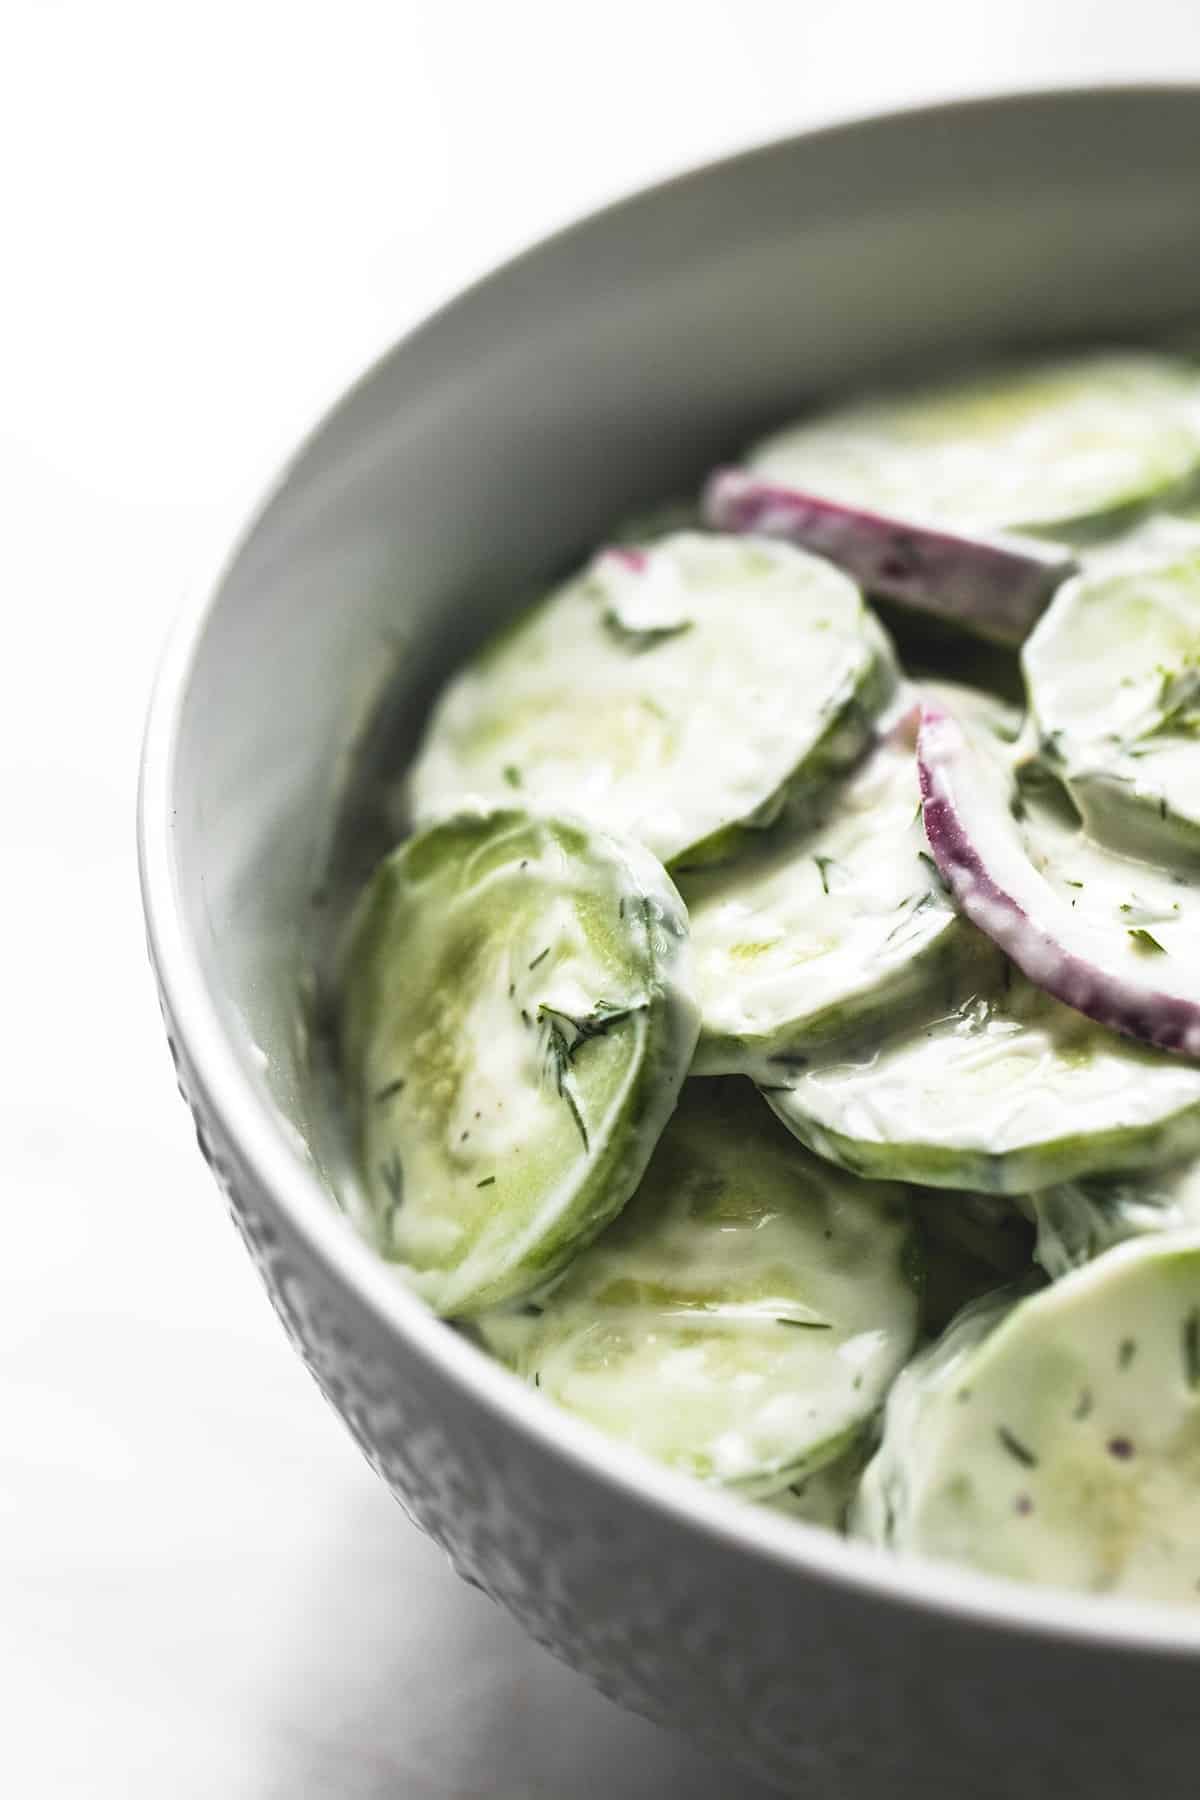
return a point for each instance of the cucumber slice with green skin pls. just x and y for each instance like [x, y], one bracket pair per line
[745, 1315]
[822, 933]
[516, 1023]
[678, 692]
[1076, 444]
[1079, 1220]
[1009, 1092]
[996, 586]
[1127, 956]
[825, 1497]
[1113, 673]
[1057, 1440]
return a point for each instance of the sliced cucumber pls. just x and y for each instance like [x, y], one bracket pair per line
[1009, 1092]
[1055, 446]
[516, 1024]
[823, 932]
[825, 1497]
[745, 1314]
[1058, 1439]
[679, 692]
[1113, 672]
[1078, 1220]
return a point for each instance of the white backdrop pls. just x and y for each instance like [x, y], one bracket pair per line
[211, 217]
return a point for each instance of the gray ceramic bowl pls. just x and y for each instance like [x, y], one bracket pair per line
[605, 369]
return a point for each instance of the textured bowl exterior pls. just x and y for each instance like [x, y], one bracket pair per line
[822, 1666]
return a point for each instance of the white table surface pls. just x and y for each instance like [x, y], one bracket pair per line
[212, 215]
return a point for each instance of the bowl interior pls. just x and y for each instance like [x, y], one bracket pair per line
[605, 370]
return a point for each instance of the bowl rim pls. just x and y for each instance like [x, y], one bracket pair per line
[937, 1590]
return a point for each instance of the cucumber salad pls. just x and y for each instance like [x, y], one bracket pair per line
[777, 1039]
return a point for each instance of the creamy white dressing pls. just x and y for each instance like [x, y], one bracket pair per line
[1057, 1439]
[1113, 671]
[524, 1005]
[795, 943]
[1055, 444]
[1009, 1092]
[672, 731]
[517, 1022]
[745, 1314]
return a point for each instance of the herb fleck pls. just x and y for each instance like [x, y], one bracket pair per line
[1126, 1351]
[1146, 942]
[488, 1181]
[916, 903]
[559, 1054]
[390, 1091]
[805, 1324]
[512, 775]
[1023, 1454]
[604, 1015]
[1121, 1448]
[540, 957]
[1083, 1405]
[824, 864]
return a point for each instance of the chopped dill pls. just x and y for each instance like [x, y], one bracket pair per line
[805, 1324]
[1144, 941]
[512, 775]
[559, 1053]
[915, 903]
[488, 1181]
[540, 957]
[824, 863]
[390, 1091]
[1022, 1453]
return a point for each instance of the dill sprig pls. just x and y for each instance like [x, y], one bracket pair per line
[1022, 1453]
